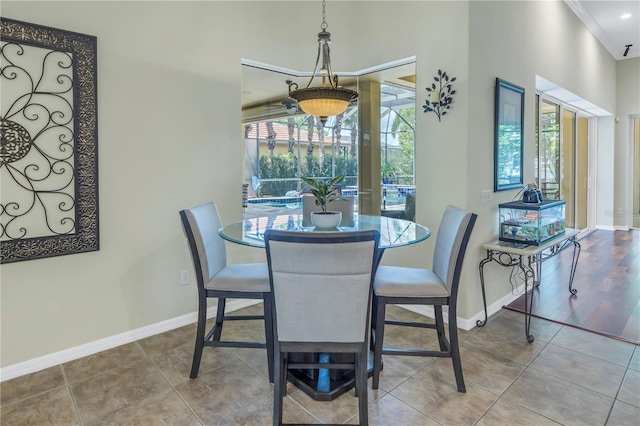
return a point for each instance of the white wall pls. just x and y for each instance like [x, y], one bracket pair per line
[604, 177]
[627, 106]
[170, 137]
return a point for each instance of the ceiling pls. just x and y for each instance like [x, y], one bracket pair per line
[603, 19]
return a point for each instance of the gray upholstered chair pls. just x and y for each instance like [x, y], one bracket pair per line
[410, 208]
[409, 212]
[321, 288]
[218, 280]
[344, 204]
[437, 287]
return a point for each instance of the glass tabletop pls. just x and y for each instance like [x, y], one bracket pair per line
[393, 232]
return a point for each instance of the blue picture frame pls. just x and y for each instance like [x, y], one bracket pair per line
[508, 136]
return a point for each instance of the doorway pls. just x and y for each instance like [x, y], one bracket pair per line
[562, 164]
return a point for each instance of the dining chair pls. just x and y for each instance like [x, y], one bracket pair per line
[217, 279]
[408, 213]
[343, 203]
[437, 287]
[410, 208]
[321, 288]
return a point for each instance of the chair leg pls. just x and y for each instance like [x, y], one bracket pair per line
[361, 388]
[374, 315]
[200, 329]
[268, 331]
[380, 308]
[217, 331]
[284, 372]
[278, 394]
[437, 310]
[455, 350]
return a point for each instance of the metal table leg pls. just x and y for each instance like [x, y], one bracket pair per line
[574, 264]
[488, 259]
[528, 307]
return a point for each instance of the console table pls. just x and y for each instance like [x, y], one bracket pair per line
[526, 257]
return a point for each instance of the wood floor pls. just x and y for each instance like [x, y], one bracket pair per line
[608, 283]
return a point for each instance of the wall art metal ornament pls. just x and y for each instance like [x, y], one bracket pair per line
[440, 96]
[48, 142]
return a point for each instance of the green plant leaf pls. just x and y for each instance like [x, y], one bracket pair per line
[324, 193]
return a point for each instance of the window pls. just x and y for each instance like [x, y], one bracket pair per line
[397, 144]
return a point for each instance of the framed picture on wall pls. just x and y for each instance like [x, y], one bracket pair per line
[49, 135]
[509, 136]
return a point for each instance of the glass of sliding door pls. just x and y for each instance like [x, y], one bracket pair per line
[562, 163]
[567, 162]
[548, 165]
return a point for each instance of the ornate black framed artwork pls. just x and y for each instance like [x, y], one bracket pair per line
[48, 142]
[509, 136]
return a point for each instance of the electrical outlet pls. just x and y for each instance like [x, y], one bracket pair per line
[184, 277]
[486, 196]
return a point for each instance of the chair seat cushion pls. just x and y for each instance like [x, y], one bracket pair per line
[395, 281]
[249, 277]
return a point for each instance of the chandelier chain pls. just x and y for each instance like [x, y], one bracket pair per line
[329, 99]
[324, 25]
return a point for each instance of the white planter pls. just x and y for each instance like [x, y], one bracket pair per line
[326, 220]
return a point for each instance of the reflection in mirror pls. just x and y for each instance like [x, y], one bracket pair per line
[397, 147]
[282, 143]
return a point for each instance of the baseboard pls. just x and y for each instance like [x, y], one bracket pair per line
[46, 361]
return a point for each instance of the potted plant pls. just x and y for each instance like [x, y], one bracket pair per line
[325, 194]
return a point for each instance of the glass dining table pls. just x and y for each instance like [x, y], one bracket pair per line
[393, 232]
[326, 385]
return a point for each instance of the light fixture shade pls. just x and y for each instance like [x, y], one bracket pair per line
[323, 102]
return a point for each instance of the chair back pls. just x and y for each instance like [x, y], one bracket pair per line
[321, 284]
[410, 208]
[208, 250]
[344, 204]
[451, 244]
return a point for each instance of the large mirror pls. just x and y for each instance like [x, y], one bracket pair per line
[282, 143]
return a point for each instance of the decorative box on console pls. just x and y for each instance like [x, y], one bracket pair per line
[531, 223]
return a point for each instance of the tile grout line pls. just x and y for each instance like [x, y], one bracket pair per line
[615, 399]
[71, 395]
[526, 366]
[169, 383]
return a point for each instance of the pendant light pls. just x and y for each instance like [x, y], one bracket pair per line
[329, 99]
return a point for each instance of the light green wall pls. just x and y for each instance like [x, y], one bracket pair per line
[170, 137]
[628, 106]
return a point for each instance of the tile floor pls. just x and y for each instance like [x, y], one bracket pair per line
[566, 376]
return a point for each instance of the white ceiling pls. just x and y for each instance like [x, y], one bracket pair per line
[603, 18]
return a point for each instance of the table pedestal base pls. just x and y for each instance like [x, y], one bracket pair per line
[339, 381]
